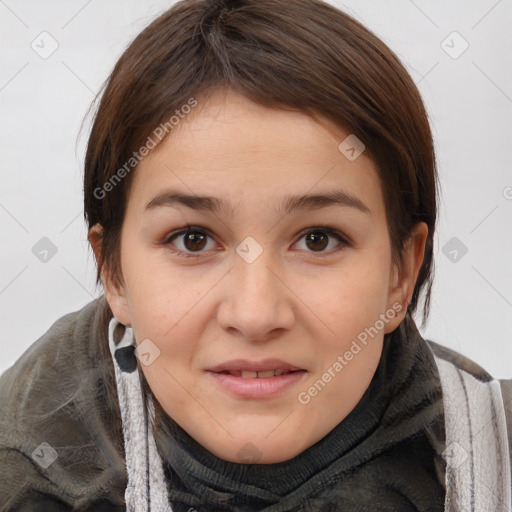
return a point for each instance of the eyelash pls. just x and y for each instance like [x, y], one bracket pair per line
[331, 232]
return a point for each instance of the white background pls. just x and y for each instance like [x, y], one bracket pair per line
[469, 99]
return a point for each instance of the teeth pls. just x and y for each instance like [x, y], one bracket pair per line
[247, 374]
[268, 373]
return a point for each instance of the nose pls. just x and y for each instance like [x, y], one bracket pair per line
[257, 303]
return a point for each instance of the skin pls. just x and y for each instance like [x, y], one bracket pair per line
[299, 301]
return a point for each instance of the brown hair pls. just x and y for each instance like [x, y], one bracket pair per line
[303, 55]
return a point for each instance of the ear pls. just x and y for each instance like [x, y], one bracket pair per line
[115, 294]
[404, 275]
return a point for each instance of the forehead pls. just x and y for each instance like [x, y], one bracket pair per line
[230, 147]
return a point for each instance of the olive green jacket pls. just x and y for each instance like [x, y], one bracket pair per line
[61, 437]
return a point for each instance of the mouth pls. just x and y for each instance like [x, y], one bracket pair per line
[248, 374]
[256, 379]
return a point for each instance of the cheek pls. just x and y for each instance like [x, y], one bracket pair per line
[351, 308]
[167, 307]
[356, 293]
[351, 350]
[158, 293]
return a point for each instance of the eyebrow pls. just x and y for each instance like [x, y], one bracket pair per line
[290, 203]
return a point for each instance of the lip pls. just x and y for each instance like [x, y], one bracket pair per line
[256, 387]
[254, 366]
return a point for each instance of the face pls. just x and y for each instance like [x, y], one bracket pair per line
[263, 326]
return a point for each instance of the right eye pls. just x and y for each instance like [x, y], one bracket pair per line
[193, 240]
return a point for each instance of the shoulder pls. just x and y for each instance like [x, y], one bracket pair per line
[467, 365]
[498, 407]
[59, 333]
[58, 416]
[67, 346]
[460, 361]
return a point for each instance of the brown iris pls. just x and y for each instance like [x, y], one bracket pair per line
[319, 240]
[195, 240]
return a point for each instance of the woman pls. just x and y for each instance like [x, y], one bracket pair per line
[230, 363]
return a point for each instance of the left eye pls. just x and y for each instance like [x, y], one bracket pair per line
[318, 239]
[194, 239]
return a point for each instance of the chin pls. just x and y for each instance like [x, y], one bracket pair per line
[256, 451]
